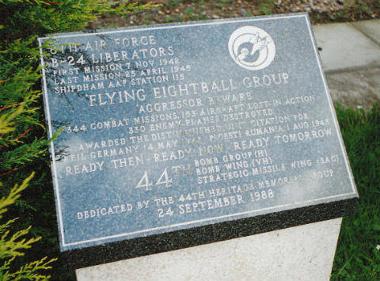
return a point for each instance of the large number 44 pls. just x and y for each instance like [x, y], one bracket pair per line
[146, 183]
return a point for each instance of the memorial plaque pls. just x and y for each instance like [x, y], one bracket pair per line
[176, 135]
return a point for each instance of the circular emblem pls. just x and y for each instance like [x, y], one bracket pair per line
[251, 47]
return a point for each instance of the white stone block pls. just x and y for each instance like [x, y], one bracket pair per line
[299, 253]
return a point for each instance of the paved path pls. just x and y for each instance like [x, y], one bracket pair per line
[350, 55]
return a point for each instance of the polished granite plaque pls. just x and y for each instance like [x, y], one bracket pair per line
[175, 135]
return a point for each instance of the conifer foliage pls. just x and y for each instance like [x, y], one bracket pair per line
[23, 142]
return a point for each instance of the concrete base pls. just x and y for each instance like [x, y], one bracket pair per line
[355, 89]
[345, 48]
[299, 253]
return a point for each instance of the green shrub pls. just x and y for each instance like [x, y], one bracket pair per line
[13, 245]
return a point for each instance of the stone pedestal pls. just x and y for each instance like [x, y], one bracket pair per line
[299, 253]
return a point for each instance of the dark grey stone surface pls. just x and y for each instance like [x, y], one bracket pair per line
[177, 135]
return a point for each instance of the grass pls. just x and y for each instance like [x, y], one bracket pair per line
[358, 254]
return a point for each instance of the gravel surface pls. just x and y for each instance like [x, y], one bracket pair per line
[318, 6]
[320, 11]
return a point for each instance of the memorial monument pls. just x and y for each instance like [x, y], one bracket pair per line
[186, 134]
